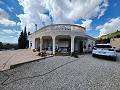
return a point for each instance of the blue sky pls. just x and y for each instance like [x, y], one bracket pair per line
[100, 17]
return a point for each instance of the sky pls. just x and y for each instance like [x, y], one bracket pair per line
[100, 17]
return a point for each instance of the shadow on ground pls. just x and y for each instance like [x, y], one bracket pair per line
[108, 58]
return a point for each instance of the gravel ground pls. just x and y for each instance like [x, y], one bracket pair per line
[64, 73]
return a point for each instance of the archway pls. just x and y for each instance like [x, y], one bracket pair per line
[80, 44]
[63, 43]
[47, 43]
[37, 44]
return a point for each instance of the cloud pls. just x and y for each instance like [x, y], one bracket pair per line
[4, 19]
[1, 33]
[8, 31]
[33, 14]
[61, 11]
[7, 22]
[9, 35]
[1, 2]
[87, 24]
[101, 13]
[17, 32]
[111, 26]
[3, 14]
[10, 9]
[10, 39]
[115, 4]
[103, 8]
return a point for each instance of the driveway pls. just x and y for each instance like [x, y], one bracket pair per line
[64, 73]
[13, 57]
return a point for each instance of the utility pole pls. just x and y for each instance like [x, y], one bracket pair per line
[36, 27]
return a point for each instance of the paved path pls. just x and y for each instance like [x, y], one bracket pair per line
[12, 57]
[64, 73]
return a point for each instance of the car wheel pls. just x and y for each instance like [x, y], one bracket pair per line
[113, 58]
[93, 55]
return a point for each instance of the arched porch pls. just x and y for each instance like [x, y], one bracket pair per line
[63, 43]
[80, 44]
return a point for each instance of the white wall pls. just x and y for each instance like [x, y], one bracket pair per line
[33, 44]
[85, 43]
[47, 43]
[76, 45]
[31, 39]
[91, 43]
[115, 42]
[62, 44]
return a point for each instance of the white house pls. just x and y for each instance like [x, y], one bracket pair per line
[62, 38]
[115, 42]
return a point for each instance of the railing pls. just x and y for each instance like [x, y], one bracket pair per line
[56, 27]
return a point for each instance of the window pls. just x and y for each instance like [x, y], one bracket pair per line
[103, 46]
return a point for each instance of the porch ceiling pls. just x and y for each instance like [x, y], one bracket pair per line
[80, 37]
[63, 36]
[47, 37]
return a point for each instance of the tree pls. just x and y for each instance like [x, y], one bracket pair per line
[1, 45]
[25, 38]
[28, 33]
[7, 46]
[103, 41]
[22, 41]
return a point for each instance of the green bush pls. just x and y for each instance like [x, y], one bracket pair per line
[118, 50]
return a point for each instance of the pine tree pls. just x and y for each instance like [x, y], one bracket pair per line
[25, 38]
[22, 41]
[1, 45]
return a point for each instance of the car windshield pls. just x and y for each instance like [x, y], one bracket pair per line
[103, 46]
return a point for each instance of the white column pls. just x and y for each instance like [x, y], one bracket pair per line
[84, 45]
[33, 41]
[29, 44]
[87, 45]
[53, 45]
[41, 44]
[72, 44]
[33, 44]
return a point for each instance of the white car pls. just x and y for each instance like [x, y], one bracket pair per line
[104, 50]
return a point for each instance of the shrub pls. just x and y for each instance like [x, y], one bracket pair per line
[34, 50]
[74, 54]
[118, 50]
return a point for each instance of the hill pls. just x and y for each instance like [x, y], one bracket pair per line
[111, 35]
[106, 38]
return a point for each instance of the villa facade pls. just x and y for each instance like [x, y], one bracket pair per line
[115, 42]
[62, 38]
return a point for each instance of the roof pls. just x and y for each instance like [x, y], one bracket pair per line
[103, 44]
[90, 37]
[63, 24]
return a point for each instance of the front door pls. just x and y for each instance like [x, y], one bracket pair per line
[81, 46]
